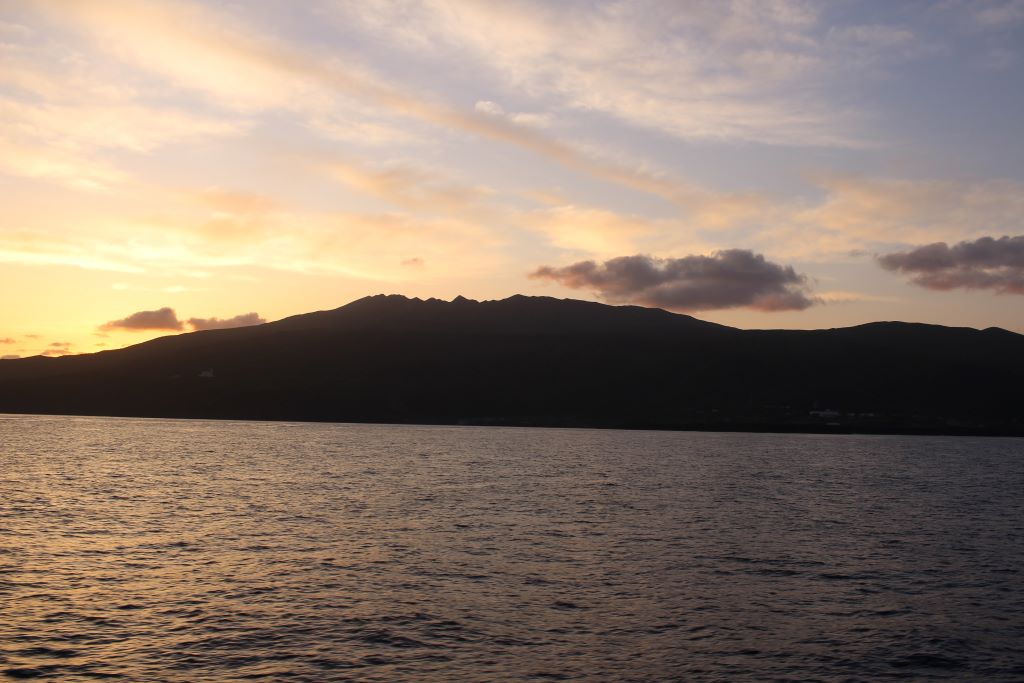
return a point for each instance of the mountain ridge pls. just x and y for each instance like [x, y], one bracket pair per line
[546, 361]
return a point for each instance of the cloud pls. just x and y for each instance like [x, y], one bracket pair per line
[58, 349]
[872, 215]
[880, 208]
[868, 47]
[59, 112]
[985, 263]
[160, 319]
[244, 320]
[733, 278]
[414, 262]
[188, 239]
[410, 187]
[116, 125]
[597, 231]
[997, 14]
[235, 202]
[453, 222]
[525, 118]
[10, 356]
[39, 161]
[216, 53]
[96, 252]
[845, 297]
[720, 70]
[7, 340]
[167, 319]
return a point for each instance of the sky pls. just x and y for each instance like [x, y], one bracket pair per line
[171, 166]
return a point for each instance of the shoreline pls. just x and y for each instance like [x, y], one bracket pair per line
[737, 427]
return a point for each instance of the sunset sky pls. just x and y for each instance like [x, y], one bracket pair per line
[168, 166]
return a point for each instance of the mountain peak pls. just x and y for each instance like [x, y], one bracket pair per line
[544, 361]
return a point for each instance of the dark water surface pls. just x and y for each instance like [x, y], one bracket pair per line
[156, 550]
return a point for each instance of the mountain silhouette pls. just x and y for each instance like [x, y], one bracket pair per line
[548, 362]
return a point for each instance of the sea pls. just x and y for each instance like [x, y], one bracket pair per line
[187, 550]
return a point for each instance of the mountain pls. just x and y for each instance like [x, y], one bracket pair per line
[544, 361]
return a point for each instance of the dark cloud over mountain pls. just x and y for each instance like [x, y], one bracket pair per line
[244, 320]
[732, 278]
[160, 319]
[985, 263]
[167, 319]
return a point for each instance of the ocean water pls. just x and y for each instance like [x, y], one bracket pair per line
[165, 550]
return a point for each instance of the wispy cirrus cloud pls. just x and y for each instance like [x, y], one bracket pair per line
[732, 278]
[194, 243]
[52, 248]
[589, 229]
[857, 213]
[537, 120]
[61, 114]
[409, 186]
[236, 65]
[448, 222]
[710, 71]
[996, 14]
[912, 210]
[853, 213]
[43, 162]
[112, 125]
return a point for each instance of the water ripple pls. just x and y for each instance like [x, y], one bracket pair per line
[162, 550]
